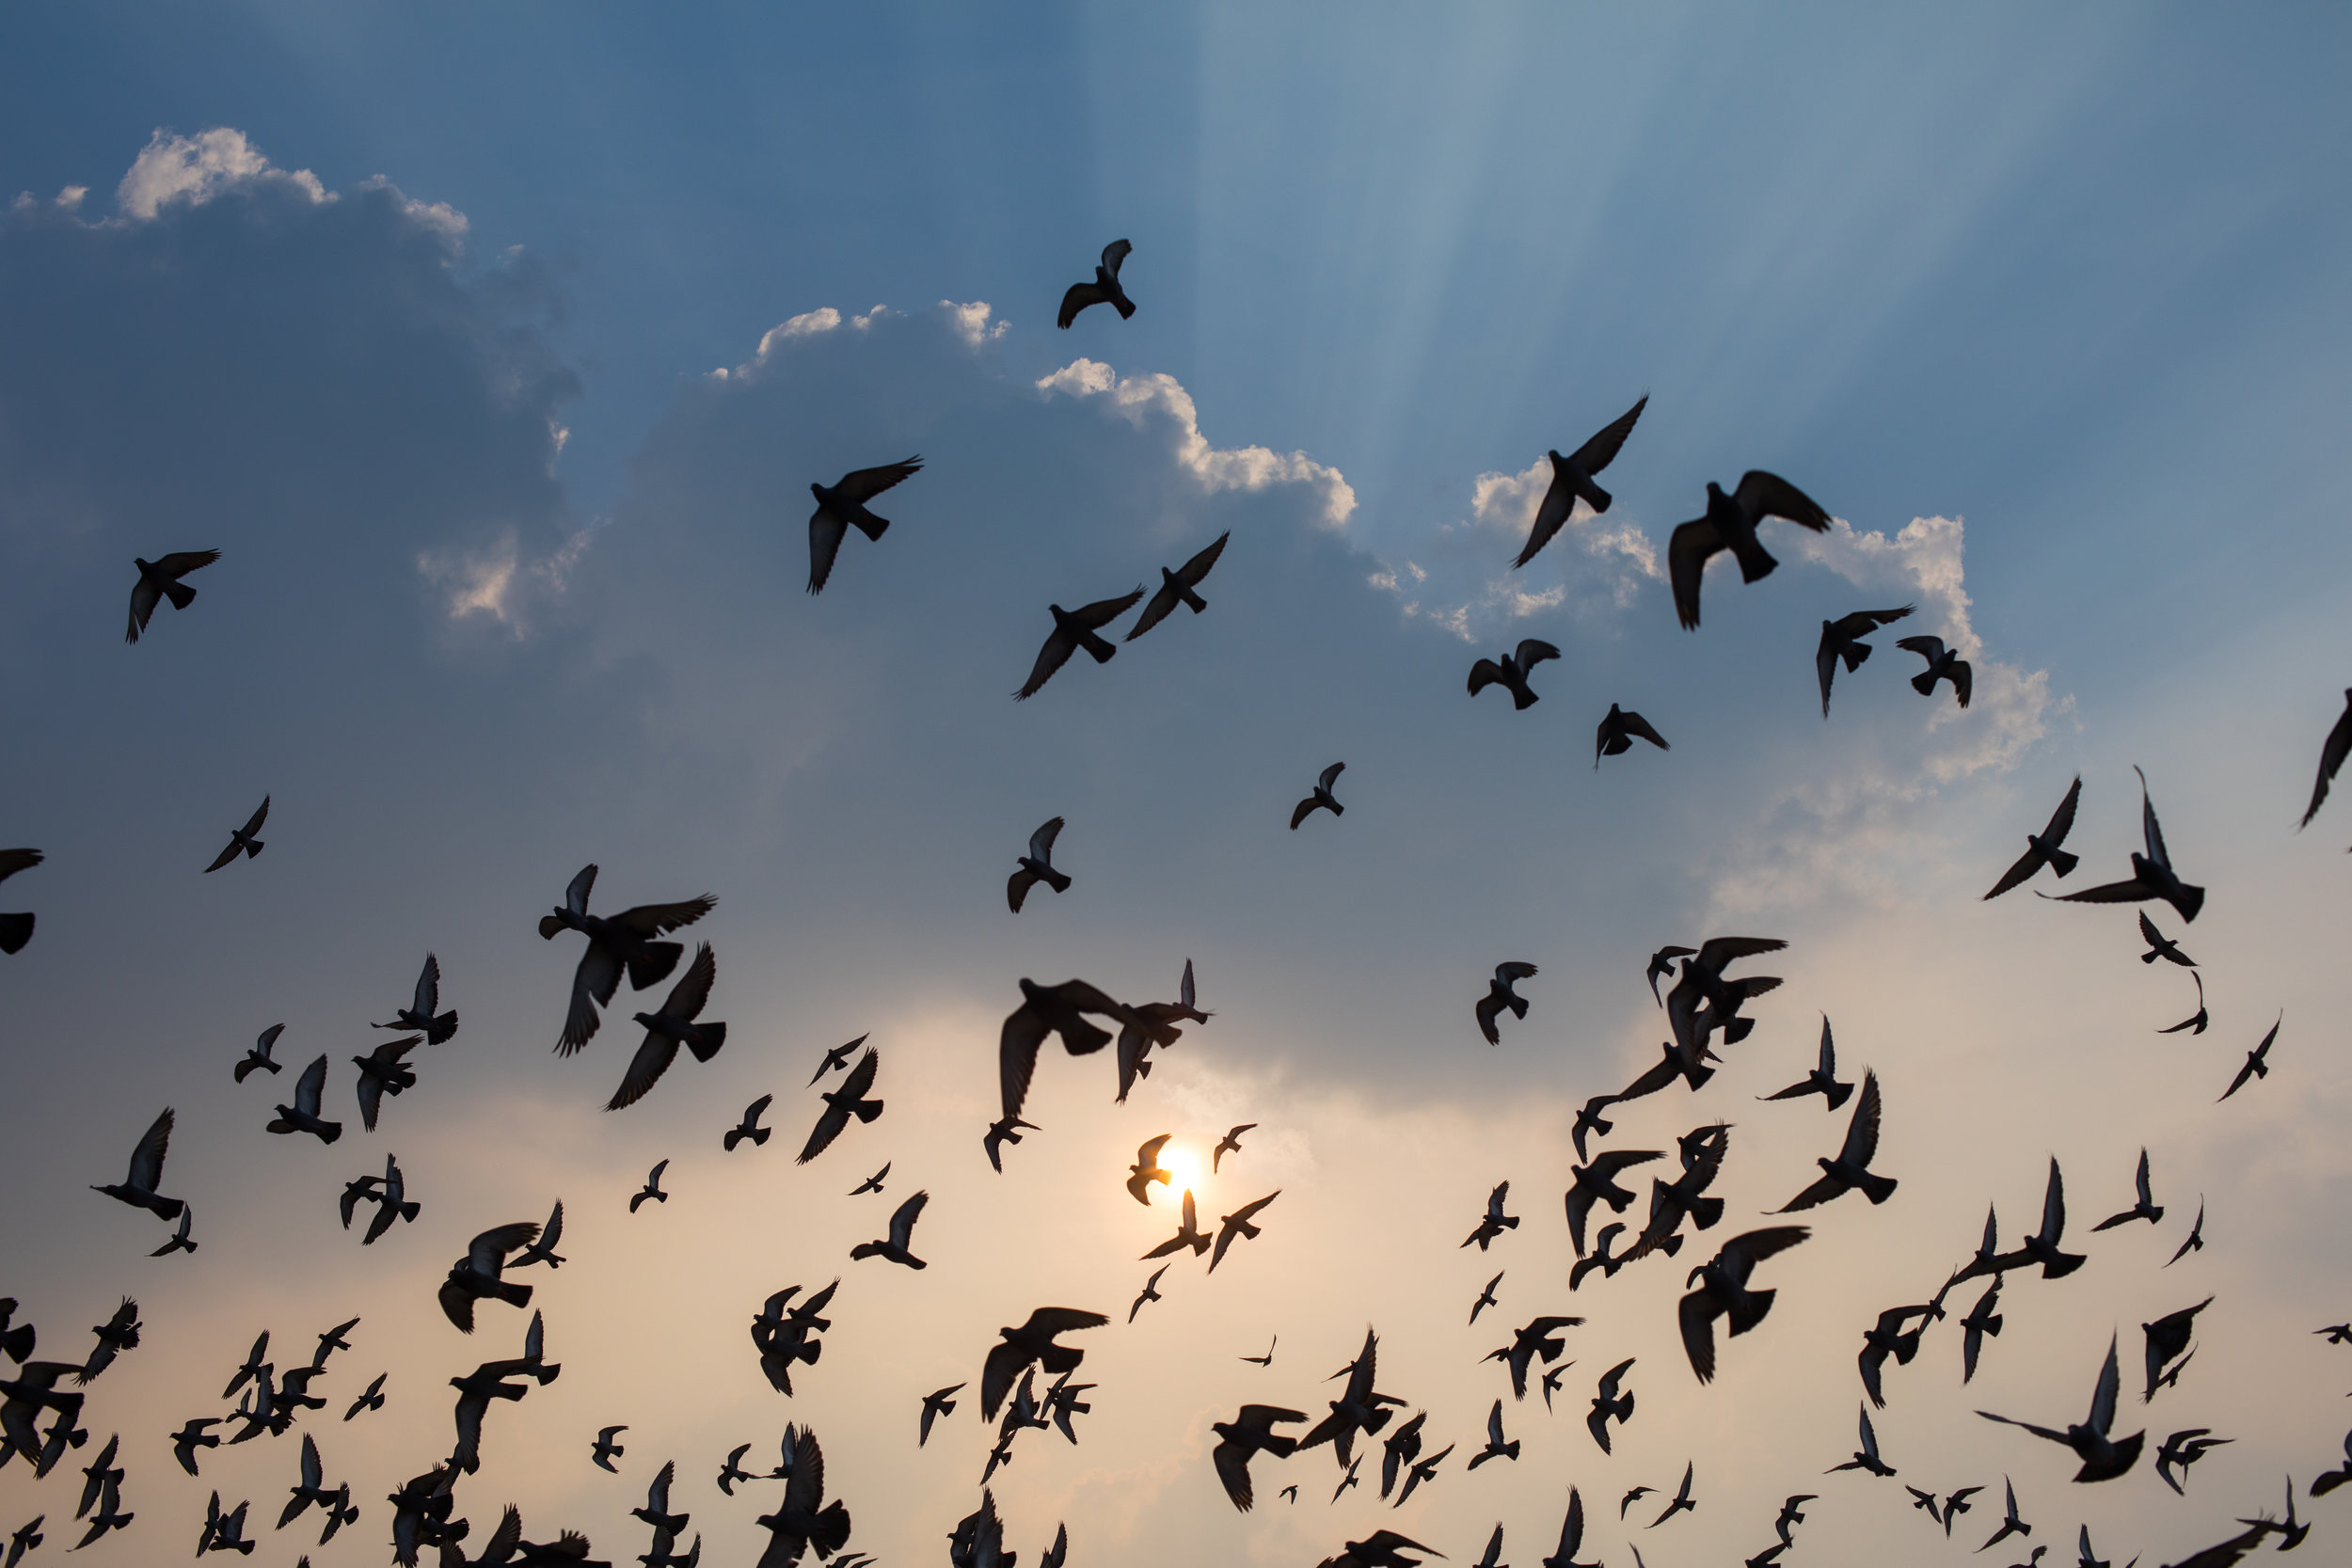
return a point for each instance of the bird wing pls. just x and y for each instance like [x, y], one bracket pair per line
[145, 597]
[2331, 756]
[14, 860]
[2021, 868]
[1232, 1468]
[178, 564]
[829, 1125]
[1115, 256]
[2062, 819]
[1862, 1133]
[1330, 775]
[1928, 648]
[1531, 652]
[486, 1253]
[310, 1085]
[2149, 828]
[260, 814]
[1762, 495]
[646, 1068]
[863, 485]
[804, 1492]
[1058, 646]
[225, 856]
[2103, 1397]
[1606, 1166]
[1716, 953]
[1102, 612]
[371, 1100]
[1551, 514]
[1743, 1252]
[147, 1160]
[428, 999]
[1192, 571]
[1079, 296]
[1633, 723]
[1697, 1314]
[1964, 680]
[1148, 1153]
[1511, 973]
[1826, 662]
[1484, 674]
[2133, 892]
[575, 892]
[1688, 549]
[687, 998]
[596, 978]
[653, 920]
[2054, 1206]
[1602, 449]
[903, 1221]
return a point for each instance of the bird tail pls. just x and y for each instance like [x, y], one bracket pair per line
[866, 1249]
[1838, 1094]
[165, 1208]
[808, 1351]
[2062, 863]
[440, 1027]
[511, 1293]
[15, 931]
[1095, 645]
[1756, 562]
[1751, 1310]
[1124, 307]
[2062, 1264]
[651, 963]
[410, 1210]
[833, 1530]
[1594, 496]
[869, 525]
[1855, 654]
[17, 1343]
[1624, 1407]
[1518, 1005]
[1671, 1245]
[1279, 1446]
[253, 847]
[179, 593]
[1993, 1325]
[1191, 600]
[2192, 899]
[1055, 880]
[1878, 1189]
[712, 1036]
[1738, 1029]
[1924, 683]
[869, 1109]
[1338, 810]
[1510, 1222]
[1704, 1211]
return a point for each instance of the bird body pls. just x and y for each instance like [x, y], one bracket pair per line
[1822, 1079]
[1730, 523]
[1322, 800]
[749, 1127]
[1841, 639]
[1572, 481]
[259, 1058]
[1510, 671]
[842, 1104]
[1501, 996]
[159, 579]
[1074, 629]
[1494, 1222]
[420, 1015]
[678, 1023]
[1944, 664]
[1037, 866]
[303, 1115]
[1619, 730]
[1104, 290]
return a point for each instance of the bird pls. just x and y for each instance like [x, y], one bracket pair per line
[2153, 875]
[1589, 1120]
[1494, 1551]
[1419, 1471]
[2040, 1247]
[1981, 1320]
[2160, 945]
[97, 1473]
[2146, 1208]
[2291, 1534]
[1842, 639]
[1147, 1169]
[1151, 1290]
[835, 1060]
[1619, 730]
[1722, 1290]
[2256, 1061]
[1611, 1401]
[803, 1519]
[935, 1404]
[1865, 1457]
[543, 1249]
[15, 1344]
[25, 1538]
[383, 1071]
[137, 1188]
[1729, 523]
[1540, 1337]
[1822, 1080]
[1322, 800]
[1602, 1257]
[1494, 1222]
[310, 1489]
[1672, 1202]
[1486, 1298]
[1238, 1224]
[1230, 1143]
[1178, 587]
[620, 943]
[2332, 754]
[1359, 1407]
[1383, 1548]
[842, 507]
[1496, 1447]
[1572, 481]
[2042, 848]
[303, 1115]
[240, 840]
[841, 1105]
[159, 579]
[1886, 1336]
[16, 929]
[652, 1190]
[118, 1334]
[1597, 1183]
[1267, 1359]
[676, 1024]
[2325, 1483]
[1037, 866]
[191, 1437]
[2196, 1022]
[2196, 1242]
[1944, 664]
[476, 1275]
[1682, 1503]
[872, 1183]
[1955, 1505]
[1571, 1536]
[1849, 1169]
[1927, 1503]
[224, 1531]
[371, 1400]
[732, 1470]
[1188, 1234]
[2185, 1448]
[1104, 290]
[1005, 1130]
[1791, 1512]
[749, 1127]
[1633, 1494]
[1074, 629]
[603, 1452]
[1050, 1011]
[656, 1509]
[1032, 1342]
[2103, 1458]
[422, 1015]
[897, 1248]
[259, 1056]
[1500, 995]
[1510, 671]
[1250, 1431]
[1151, 1024]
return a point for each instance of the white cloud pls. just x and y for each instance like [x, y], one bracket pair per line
[496, 582]
[972, 324]
[197, 169]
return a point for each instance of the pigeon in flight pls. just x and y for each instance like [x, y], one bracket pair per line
[749, 1127]
[1032, 1343]
[2185, 1448]
[118, 1334]
[2160, 945]
[1486, 1297]
[1500, 995]
[25, 1538]
[160, 581]
[1851, 1170]
[476, 1275]
[1607, 1261]
[2196, 1022]
[1888, 1336]
[1177, 587]
[652, 1191]
[1791, 1512]
[843, 507]
[303, 1115]
[1050, 1011]
[1510, 673]
[2152, 874]
[935, 1404]
[1610, 1402]
[2103, 1458]
[835, 1060]
[16, 929]
[2146, 1208]
[259, 1056]
[1865, 1457]
[1662, 965]
[420, 1015]
[543, 1249]
[902, 1235]
[240, 840]
[1572, 481]
[844, 1102]
[1539, 1338]
[1494, 1222]
[1322, 800]
[1721, 1290]
[1237, 1224]
[1842, 639]
[137, 1188]
[872, 1183]
[1597, 1183]
[2041, 1247]
[1037, 866]
[1496, 1447]
[1944, 664]
[1619, 730]
[1230, 1143]
[624, 942]
[1005, 1130]
[1682, 1501]
[1188, 1234]
[1250, 1431]
[1147, 1169]
[675, 1025]
[798, 1522]
[2168, 1339]
[2042, 848]
[383, 1071]
[372, 1399]
[1074, 629]
[2323, 1485]
[1571, 1536]
[179, 1243]
[1822, 1080]
[1104, 290]
[2332, 754]
[1730, 523]
[2256, 1061]
[1358, 1408]
[2196, 1242]
[1154, 1025]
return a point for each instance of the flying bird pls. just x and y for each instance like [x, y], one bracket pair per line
[1682, 1503]
[2103, 1458]
[2040, 1247]
[872, 1183]
[1944, 664]
[835, 1060]
[1005, 1130]
[1049, 1010]
[2146, 1208]
[240, 840]
[1237, 1224]
[2167, 1339]
[1842, 639]
[1074, 629]
[1032, 1343]
[1496, 1447]
[1104, 290]
[118, 1334]
[1791, 1512]
[1230, 1143]
[1850, 1168]
[1322, 800]
[1178, 587]
[1150, 1291]
[384, 1071]
[1981, 1320]
[372, 1399]
[1037, 866]
[1383, 1548]
[2152, 874]
[543, 1249]
[1494, 1222]
[1865, 1457]
[2256, 1061]
[1572, 481]
[652, 1191]
[676, 1024]
[2160, 945]
[843, 507]
[1822, 1080]
[2196, 1022]
[1619, 730]
[1721, 1290]
[1888, 1336]
[1188, 1234]
[159, 580]
[16, 929]
[1500, 995]
[2185, 1448]
[803, 1519]
[2332, 754]
[259, 1056]
[1486, 1297]
[1510, 671]
[847, 1100]
[1359, 1407]
[1730, 523]
[476, 1275]
[897, 1248]
[1571, 1536]
[1153, 1024]
[2196, 1242]
[1607, 1262]
[623, 943]
[422, 1015]
[935, 1404]
[1597, 1183]
[1147, 1169]
[1250, 1431]
[749, 1127]
[2042, 848]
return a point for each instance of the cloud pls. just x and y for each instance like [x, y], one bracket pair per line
[195, 169]
[971, 322]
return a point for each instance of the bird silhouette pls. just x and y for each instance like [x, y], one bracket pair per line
[843, 1103]
[1683, 1503]
[2183, 1450]
[1499, 996]
[1237, 1224]
[1178, 587]
[2042, 848]
[1597, 1183]
[17, 930]
[1981, 1321]
[1267, 1359]
[651, 1192]
[897, 1248]
[259, 1058]
[476, 1276]
[2256, 1061]
[1074, 629]
[842, 507]
[1850, 1168]
[1147, 1169]
[422, 1016]
[1322, 800]
[1230, 1143]
[2146, 1208]
[2103, 1458]
[1572, 481]
[1842, 639]
[1571, 1536]
[1822, 1080]
[1037, 866]
[2152, 874]
[1250, 1431]
[621, 944]
[872, 1183]
[1944, 664]
[1729, 524]
[1032, 1344]
[1611, 1401]
[1722, 1292]
[303, 1115]
[384, 1071]
[2332, 754]
[159, 579]
[240, 840]
[1486, 1297]
[1510, 671]
[1188, 1234]
[935, 1404]
[1104, 290]
[1618, 731]
[2196, 1022]
[803, 1519]
[678, 1023]
[1494, 1222]
[2196, 1242]
[1151, 1293]
[1866, 1456]
[1539, 1338]
[1888, 1336]
[749, 1127]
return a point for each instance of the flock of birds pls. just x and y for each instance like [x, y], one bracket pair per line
[1704, 1007]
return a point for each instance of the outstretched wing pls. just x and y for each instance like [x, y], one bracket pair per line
[1192, 571]
[1017, 1045]
[1633, 723]
[864, 484]
[826, 530]
[1052, 657]
[1078, 298]
[653, 920]
[1600, 452]
[147, 1160]
[1551, 514]
[1102, 612]
[1688, 549]
[646, 1068]
[1762, 495]
[1115, 256]
[687, 998]
[1862, 1133]
[1041, 841]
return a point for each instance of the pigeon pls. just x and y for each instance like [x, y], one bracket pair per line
[224, 1531]
[843, 507]
[784, 1338]
[99, 1473]
[1589, 1119]
[1619, 730]
[1050, 1011]
[1822, 1080]
[1230, 1143]
[256, 1363]
[1703, 1001]
[1510, 671]
[1851, 1170]
[1602, 1257]
[476, 1275]
[902, 1234]
[259, 1057]
[1486, 1298]
[1597, 1183]
[371, 1400]
[1927, 1503]
[195, 1434]
[1151, 1290]
[1153, 1024]
[159, 579]
[1237, 1224]
[2146, 1208]
[108, 1517]
[1496, 1447]
[1541, 1337]
[652, 1191]
[872, 1183]
[2160, 945]
[25, 1538]
[1147, 1169]
[1037, 866]
[137, 1188]
[1610, 1403]
[623, 943]
[1177, 587]
[179, 1243]
[935, 1404]
[1267, 1359]
[1842, 639]
[1322, 800]
[419, 1016]
[603, 1452]
[303, 1115]
[2196, 1242]
[1494, 1551]
[1571, 1536]
[1662, 965]
[2185, 1448]
[2152, 873]
[732, 1470]
[543, 1249]
[675, 1025]
[1057, 1556]
[1250, 1431]
[1865, 1457]
[844, 1102]
[1886, 1336]
[1730, 523]
[1500, 995]
[1032, 1343]
[1572, 481]
[1682, 1502]
[2042, 848]
[1944, 664]
[2103, 1457]
[1074, 629]
[2332, 754]
[2323, 1485]
[312, 1488]
[2041, 1247]
[1188, 1234]
[656, 1509]
[240, 840]
[749, 1127]
[118, 1334]
[1104, 290]
[1494, 1222]
[1006, 1130]
[382, 1071]
[1670, 1203]
[1348, 1479]
[2196, 1022]
[2256, 1061]
[1384, 1548]
[1981, 1320]
[1419, 1471]
[2291, 1534]
[1722, 1289]
[1358, 1408]
[835, 1060]
[1791, 1512]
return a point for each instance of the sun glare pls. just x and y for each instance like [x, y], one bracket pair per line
[1183, 1168]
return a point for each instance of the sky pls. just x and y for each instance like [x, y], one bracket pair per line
[496, 347]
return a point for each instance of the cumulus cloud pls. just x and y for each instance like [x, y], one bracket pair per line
[195, 170]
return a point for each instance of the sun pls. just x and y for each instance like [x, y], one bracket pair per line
[1182, 1165]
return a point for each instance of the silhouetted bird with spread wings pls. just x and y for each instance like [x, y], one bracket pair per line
[803, 1518]
[240, 840]
[2103, 1458]
[1510, 671]
[477, 1274]
[847, 1100]
[1619, 730]
[1944, 664]
[2168, 1340]
[2042, 848]
[1866, 1456]
[2152, 873]
[1730, 523]
[384, 1071]
[303, 1115]
[897, 1247]
[1237, 1224]
[2256, 1061]
[1104, 290]
[1322, 800]
[1248, 1433]
[1050, 1011]
[1850, 1168]
[1032, 1343]
[676, 1024]
[420, 1015]
[1074, 629]
[1822, 1080]
[1842, 639]
[1721, 1290]
[1611, 1401]
[1539, 1338]
[1178, 588]
[159, 580]
[137, 1189]
[2196, 1022]
[1597, 1183]
[1572, 481]
[2332, 754]
[620, 942]
[842, 508]
[1500, 995]
[1037, 866]
[16, 929]
[749, 1127]
[2146, 1208]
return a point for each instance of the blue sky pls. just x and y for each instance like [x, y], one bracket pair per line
[424, 329]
